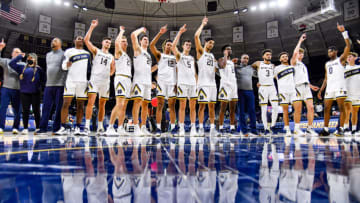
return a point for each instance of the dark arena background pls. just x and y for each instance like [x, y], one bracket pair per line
[179, 101]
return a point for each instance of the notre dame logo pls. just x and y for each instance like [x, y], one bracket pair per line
[178, 93]
[222, 95]
[201, 97]
[120, 91]
[136, 92]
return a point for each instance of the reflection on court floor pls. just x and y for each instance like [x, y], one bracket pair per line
[144, 169]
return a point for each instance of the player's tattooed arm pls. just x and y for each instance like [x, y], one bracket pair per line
[347, 48]
[118, 49]
[174, 48]
[89, 45]
[135, 40]
[199, 47]
[153, 48]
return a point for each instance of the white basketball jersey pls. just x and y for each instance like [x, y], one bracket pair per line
[121, 188]
[186, 70]
[285, 78]
[101, 66]
[123, 65]
[335, 76]
[206, 67]
[266, 74]
[165, 188]
[228, 73]
[352, 76]
[80, 60]
[142, 68]
[206, 185]
[301, 73]
[142, 187]
[167, 69]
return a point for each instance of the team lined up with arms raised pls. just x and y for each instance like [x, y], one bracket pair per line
[177, 79]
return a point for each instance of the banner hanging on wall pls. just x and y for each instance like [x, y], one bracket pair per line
[351, 10]
[79, 29]
[272, 29]
[205, 34]
[238, 34]
[45, 24]
[112, 33]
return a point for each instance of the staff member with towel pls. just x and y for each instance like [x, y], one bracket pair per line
[31, 79]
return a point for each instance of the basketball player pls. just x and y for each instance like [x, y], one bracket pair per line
[186, 82]
[228, 89]
[303, 88]
[76, 62]
[352, 102]
[102, 68]
[122, 84]
[284, 74]
[335, 83]
[166, 80]
[289, 177]
[141, 88]
[267, 90]
[206, 84]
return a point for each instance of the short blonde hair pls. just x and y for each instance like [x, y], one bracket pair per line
[301, 50]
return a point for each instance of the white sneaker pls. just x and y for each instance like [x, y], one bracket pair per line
[137, 131]
[25, 132]
[144, 131]
[122, 132]
[193, 132]
[182, 132]
[110, 131]
[62, 131]
[77, 131]
[100, 131]
[86, 131]
[288, 133]
[1, 131]
[201, 132]
[14, 131]
[298, 132]
[347, 132]
[214, 132]
[311, 132]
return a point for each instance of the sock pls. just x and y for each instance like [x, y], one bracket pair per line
[201, 125]
[100, 124]
[326, 129]
[355, 128]
[346, 126]
[158, 125]
[111, 126]
[286, 128]
[193, 125]
[87, 124]
[232, 127]
[221, 127]
[181, 125]
[264, 116]
[212, 126]
[172, 126]
[274, 114]
[297, 126]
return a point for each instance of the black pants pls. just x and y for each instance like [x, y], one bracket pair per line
[28, 100]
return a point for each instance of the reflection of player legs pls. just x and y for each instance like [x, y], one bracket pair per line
[274, 115]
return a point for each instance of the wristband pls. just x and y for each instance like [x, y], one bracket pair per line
[345, 34]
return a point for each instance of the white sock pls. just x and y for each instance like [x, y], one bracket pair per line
[326, 129]
[264, 116]
[221, 127]
[232, 127]
[355, 127]
[100, 124]
[193, 125]
[297, 126]
[181, 125]
[346, 126]
[172, 126]
[201, 125]
[158, 125]
[286, 127]
[87, 124]
[212, 126]
[274, 114]
[111, 126]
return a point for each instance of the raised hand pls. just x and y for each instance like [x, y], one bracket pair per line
[205, 21]
[94, 23]
[163, 29]
[183, 29]
[23, 54]
[358, 41]
[341, 28]
[235, 60]
[2, 44]
[303, 37]
[144, 29]
[122, 29]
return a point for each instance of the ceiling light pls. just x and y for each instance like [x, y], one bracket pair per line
[262, 6]
[57, 2]
[283, 3]
[236, 11]
[244, 10]
[253, 8]
[66, 3]
[84, 9]
[75, 6]
[272, 4]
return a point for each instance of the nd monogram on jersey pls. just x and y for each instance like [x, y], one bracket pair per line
[123, 65]
[207, 70]
[266, 74]
[285, 78]
[142, 68]
[228, 73]
[101, 66]
[186, 70]
[167, 69]
[335, 75]
[352, 76]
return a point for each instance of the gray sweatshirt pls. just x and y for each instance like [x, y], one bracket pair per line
[11, 78]
[244, 76]
[55, 75]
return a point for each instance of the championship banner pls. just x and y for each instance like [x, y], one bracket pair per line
[79, 29]
[205, 34]
[112, 33]
[238, 34]
[306, 27]
[45, 24]
[173, 35]
[351, 10]
[272, 29]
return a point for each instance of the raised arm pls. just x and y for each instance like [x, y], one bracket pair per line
[199, 48]
[222, 61]
[153, 48]
[296, 50]
[2, 60]
[87, 37]
[347, 48]
[14, 63]
[176, 41]
[135, 40]
[118, 49]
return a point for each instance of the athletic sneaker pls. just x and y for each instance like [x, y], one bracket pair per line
[62, 131]
[193, 132]
[357, 133]
[174, 132]
[347, 132]
[298, 132]
[86, 131]
[15, 131]
[100, 131]
[201, 132]
[144, 131]
[1, 131]
[288, 133]
[122, 132]
[273, 130]
[38, 132]
[182, 132]
[311, 132]
[214, 132]
[158, 132]
[25, 132]
[267, 132]
[110, 131]
[234, 133]
[77, 131]
[324, 132]
[340, 132]
[137, 131]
